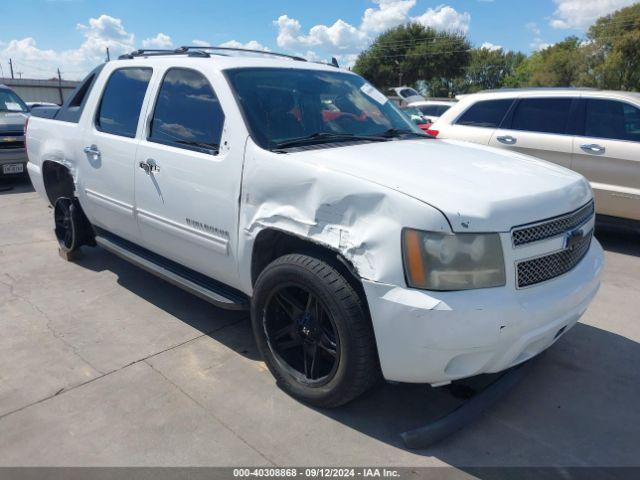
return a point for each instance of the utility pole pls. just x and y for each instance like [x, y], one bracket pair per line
[19, 75]
[108, 56]
[11, 67]
[60, 87]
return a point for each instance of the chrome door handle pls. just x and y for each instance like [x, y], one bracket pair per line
[507, 139]
[150, 166]
[144, 166]
[92, 150]
[593, 148]
[153, 166]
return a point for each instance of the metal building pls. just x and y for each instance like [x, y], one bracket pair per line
[31, 90]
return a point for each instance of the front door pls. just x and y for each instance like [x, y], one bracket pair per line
[607, 153]
[109, 149]
[539, 127]
[187, 178]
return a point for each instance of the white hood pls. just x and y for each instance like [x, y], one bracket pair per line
[477, 188]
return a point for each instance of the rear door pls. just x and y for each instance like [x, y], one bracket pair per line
[478, 122]
[540, 127]
[187, 175]
[607, 153]
[109, 151]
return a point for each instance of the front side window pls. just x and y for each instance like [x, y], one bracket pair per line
[187, 113]
[487, 114]
[121, 102]
[613, 120]
[281, 105]
[10, 102]
[543, 115]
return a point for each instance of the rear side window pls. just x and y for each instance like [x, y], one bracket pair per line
[433, 110]
[187, 113]
[73, 107]
[543, 115]
[613, 120]
[408, 92]
[121, 102]
[488, 113]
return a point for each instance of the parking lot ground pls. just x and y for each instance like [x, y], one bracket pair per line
[103, 364]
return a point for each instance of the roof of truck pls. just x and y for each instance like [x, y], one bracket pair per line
[225, 58]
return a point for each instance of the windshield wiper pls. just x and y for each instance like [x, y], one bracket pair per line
[326, 137]
[396, 132]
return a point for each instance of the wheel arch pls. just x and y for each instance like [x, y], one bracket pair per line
[58, 181]
[272, 243]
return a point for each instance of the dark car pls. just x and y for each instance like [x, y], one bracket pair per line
[13, 115]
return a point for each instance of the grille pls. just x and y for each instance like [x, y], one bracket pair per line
[9, 145]
[17, 140]
[552, 227]
[545, 268]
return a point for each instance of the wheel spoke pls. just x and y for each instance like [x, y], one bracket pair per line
[310, 354]
[289, 344]
[289, 305]
[286, 330]
[328, 345]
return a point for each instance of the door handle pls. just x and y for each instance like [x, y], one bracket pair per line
[507, 139]
[150, 166]
[593, 148]
[92, 150]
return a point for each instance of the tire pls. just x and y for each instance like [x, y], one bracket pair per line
[72, 228]
[313, 331]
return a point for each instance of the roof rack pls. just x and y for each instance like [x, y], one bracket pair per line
[198, 51]
[236, 49]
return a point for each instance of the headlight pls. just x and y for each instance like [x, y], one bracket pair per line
[444, 261]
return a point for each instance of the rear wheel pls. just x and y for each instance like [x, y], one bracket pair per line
[72, 228]
[313, 331]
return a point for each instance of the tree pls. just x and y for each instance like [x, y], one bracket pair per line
[560, 65]
[489, 69]
[412, 52]
[613, 50]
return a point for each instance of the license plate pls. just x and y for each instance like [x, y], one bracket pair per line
[12, 168]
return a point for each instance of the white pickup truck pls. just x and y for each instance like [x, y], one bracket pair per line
[362, 247]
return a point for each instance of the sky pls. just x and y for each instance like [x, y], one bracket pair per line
[41, 36]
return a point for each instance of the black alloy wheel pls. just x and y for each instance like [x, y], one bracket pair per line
[302, 334]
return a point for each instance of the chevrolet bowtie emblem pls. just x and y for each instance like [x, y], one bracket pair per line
[572, 238]
[8, 139]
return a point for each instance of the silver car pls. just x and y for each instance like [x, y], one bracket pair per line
[13, 114]
[594, 132]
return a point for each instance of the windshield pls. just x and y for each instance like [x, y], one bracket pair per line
[281, 105]
[10, 102]
[434, 110]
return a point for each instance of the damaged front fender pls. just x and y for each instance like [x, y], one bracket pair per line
[359, 219]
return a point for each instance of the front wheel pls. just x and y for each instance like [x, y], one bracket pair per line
[313, 331]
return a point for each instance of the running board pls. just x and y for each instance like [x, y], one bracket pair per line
[193, 282]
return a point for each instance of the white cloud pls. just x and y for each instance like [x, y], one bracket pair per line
[251, 45]
[340, 35]
[537, 43]
[445, 18]
[200, 43]
[159, 41]
[342, 38]
[580, 14]
[389, 14]
[490, 46]
[99, 34]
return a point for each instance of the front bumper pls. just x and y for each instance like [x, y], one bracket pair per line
[436, 337]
